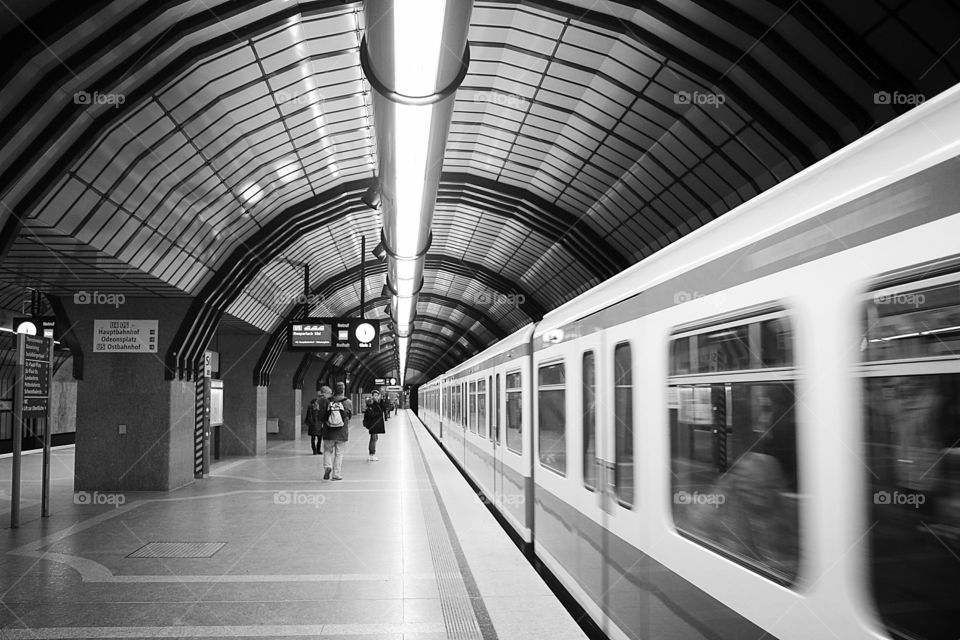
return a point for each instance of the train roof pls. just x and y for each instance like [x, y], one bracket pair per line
[517, 338]
[924, 136]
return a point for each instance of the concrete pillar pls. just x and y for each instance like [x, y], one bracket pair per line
[244, 430]
[134, 428]
[283, 401]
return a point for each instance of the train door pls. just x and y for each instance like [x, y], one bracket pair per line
[595, 447]
[616, 472]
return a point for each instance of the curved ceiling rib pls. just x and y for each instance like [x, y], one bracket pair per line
[569, 156]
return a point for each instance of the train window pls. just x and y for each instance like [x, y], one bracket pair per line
[725, 349]
[776, 347]
[589, 379]
[472, 395]
[623, 422]
[680, 357]
[482, 408]
[911, 393]
[514, 412]
[552, 416]
[734, 447]
[496, 409]
[457, 406]
[913, 324]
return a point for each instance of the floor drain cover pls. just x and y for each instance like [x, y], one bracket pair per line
[177, 550]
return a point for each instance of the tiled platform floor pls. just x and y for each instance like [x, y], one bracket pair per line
[371, 556]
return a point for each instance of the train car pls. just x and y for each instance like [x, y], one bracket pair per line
[484, 422]
[754, 432]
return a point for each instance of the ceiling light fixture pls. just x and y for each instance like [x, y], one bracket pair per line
[415, 56]
[371, 198]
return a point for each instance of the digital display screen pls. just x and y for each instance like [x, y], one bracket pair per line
[310, 335]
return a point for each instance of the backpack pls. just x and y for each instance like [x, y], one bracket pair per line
[335, 414]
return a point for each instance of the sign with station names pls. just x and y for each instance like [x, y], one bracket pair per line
[125, 336]
[36, 376]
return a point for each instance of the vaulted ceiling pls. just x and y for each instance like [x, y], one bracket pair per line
[150, 147]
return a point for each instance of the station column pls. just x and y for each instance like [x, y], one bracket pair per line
[134, 428]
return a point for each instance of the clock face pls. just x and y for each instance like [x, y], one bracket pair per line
[28, 328]
[365, 332]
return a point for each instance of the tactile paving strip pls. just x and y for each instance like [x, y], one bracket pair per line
[459, 615]
[177, 550]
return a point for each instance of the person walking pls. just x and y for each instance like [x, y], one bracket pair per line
[382, 401]
[373, 421]
[314, 419]
[336, 432]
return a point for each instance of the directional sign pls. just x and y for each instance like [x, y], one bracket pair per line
[36, 376]
[125, 336]
[333, 334]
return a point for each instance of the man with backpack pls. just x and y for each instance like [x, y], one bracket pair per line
[336, 432]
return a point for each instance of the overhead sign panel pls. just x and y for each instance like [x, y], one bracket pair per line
[334, 334]
[125, 336]
[307, 335]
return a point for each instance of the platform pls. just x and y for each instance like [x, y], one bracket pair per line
[265, 548]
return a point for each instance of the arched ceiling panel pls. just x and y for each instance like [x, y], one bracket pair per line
[585, 137]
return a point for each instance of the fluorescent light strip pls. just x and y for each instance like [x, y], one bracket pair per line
[417, 38]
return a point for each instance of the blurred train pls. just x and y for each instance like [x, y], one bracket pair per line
[754, 432]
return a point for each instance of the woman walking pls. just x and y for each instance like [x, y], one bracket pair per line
[314, 419]
[373, 421]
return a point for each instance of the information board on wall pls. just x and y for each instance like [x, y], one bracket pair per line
[333, 334]
[216, 402]
[125, 336]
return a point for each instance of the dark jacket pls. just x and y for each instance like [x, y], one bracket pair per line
[337, 433]
[314, 415]
[384, 407]
[373, 418]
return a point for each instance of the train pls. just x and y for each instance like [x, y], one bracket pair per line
[755, 431]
